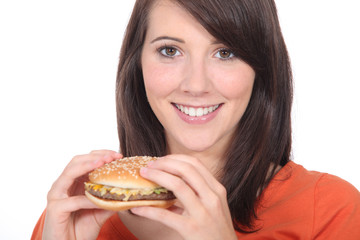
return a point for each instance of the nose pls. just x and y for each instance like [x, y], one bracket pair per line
[196, 80]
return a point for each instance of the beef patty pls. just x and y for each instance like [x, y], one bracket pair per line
[113, 196]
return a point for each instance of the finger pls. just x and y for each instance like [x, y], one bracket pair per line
[70, 205]
[211, 180]
[164, 216]
[199, 166]
[107, 152]
[203, 185]
[188, 227]
[185, 171]
[176, 209]
[212, 193]
[79, 166]
[183, 192]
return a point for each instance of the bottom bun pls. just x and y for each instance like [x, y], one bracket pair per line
[114, 205]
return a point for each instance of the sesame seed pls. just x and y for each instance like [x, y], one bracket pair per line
[130, 165]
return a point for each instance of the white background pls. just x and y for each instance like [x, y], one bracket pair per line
[58, 62]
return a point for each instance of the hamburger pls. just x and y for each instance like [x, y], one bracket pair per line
[118, 186]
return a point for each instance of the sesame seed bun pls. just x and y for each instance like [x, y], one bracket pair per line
[118, 186]
[123, 173]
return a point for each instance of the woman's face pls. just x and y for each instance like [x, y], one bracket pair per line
[195, 86]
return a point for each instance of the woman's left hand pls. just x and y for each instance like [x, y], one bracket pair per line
[204, 212]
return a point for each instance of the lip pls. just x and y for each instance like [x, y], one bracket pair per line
[197, 120]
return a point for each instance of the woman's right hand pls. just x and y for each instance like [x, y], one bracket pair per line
[69, 214]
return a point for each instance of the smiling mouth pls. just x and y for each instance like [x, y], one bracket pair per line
[196, 111]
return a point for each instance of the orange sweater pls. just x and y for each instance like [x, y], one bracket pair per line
[297, 204]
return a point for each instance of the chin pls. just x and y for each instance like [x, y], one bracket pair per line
[186, 141]
[196, 145]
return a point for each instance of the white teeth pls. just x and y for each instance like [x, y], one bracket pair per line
[186, 110]
[192, 112]
[196, 112]
[206, 111]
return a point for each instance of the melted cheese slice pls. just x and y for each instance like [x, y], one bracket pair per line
[123, 191]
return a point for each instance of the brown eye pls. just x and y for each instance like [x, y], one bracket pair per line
[169, 51]
[224, 54]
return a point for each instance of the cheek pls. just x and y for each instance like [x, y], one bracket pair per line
[235, 84]
[160, 80]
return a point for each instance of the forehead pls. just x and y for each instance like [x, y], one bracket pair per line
[166, 12]
[168, 17]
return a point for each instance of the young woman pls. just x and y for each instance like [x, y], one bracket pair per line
[207, 85]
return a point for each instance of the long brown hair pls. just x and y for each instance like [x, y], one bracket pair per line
[250, 28]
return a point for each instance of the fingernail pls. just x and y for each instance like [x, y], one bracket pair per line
[134, 210]
[149, 164]
[143, 170]
[117, 155]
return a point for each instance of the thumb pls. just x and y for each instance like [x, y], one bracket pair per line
[100, 215]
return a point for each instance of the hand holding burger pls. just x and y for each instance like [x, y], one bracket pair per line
[69, 214]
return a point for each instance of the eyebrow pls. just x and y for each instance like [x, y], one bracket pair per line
[216, 42]
[179, 40]
[167, 38]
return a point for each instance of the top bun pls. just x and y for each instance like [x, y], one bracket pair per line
[123, 173]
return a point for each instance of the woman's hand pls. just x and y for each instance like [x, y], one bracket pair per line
[69, 214]
[204, 212]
